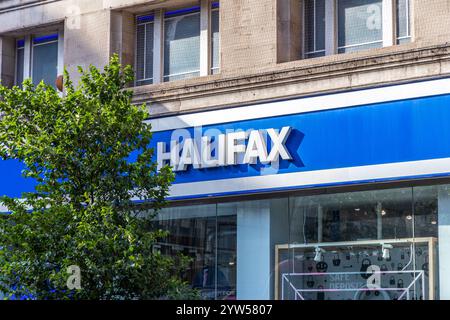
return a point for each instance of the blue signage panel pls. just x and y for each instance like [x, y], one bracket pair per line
[382, 133]
[391, 132]
[11, 181]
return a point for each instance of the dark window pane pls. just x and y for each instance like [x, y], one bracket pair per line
[45, 63]
[403, 21]
[140, 52]
[215, 44]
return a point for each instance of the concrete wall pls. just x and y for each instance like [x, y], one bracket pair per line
[259, 49]
[7, 60]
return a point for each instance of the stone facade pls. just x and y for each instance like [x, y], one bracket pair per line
[259, 56]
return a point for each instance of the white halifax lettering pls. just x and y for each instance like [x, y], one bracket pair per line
[232, 148]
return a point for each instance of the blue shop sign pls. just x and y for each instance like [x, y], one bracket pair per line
[387, 133]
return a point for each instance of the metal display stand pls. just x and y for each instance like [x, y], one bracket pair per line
[424, 279]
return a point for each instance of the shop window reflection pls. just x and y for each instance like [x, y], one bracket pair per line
[393, 231]
[226, 255]
[314, 247]
[209, 240]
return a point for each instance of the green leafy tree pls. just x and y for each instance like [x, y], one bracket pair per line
[89, 152]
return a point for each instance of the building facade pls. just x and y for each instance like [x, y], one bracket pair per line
[310, 138]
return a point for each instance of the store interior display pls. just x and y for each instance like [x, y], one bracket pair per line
[367, 245]
[343, 271]
[314, 247]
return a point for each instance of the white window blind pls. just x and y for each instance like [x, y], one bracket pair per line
[215, 39]
[144, 50]
[359, 25]
[182, 44]
[314, 28]
[403, 21]
[20, 56]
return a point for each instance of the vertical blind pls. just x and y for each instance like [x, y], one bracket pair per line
[359, 25]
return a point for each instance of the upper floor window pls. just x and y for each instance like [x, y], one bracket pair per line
[177, 44]
[182, 44]
[38, 58]
[340, 26]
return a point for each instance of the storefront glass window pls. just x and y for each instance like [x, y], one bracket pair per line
[226, 252]
[369, 245]
[209, 238]
[365, 245]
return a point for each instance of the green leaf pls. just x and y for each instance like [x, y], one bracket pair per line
[76, 146]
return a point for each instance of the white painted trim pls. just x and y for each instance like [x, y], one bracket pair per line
[313, 178]
[304, 105]
[444, 243]
[388, 10]
[44, 43]
[158, 47]
[27, 54]
[212, 69]
[60, 68]
[330, 27]
[205, 34]
[359, 44]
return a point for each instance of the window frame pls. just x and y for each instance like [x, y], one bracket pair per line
[43, 43]
[196, 10]
[206, 8]
[28, 53]
[20, 45]
[389, 28]
[215, 7]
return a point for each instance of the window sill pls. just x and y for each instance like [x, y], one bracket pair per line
[174, 84]
[247, 86]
